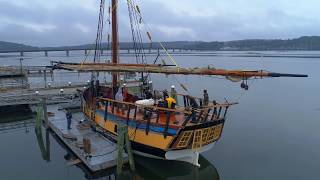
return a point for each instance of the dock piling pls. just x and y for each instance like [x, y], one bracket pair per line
[45, 113]
[123, 140]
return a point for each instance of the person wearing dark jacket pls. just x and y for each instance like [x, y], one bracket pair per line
[69, 117]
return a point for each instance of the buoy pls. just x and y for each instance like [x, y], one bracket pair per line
[37, 92]
[61, 91]
[49, 85]
[69, 83]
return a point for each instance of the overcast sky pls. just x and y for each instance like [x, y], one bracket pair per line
[72, 22]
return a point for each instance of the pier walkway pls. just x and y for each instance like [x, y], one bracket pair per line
[31, 97]
[102, 153]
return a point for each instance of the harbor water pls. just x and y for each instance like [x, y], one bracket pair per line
[273, 133]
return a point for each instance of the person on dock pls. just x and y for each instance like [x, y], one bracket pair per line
[69, 117]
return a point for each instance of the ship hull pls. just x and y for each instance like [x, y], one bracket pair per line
[156, 135]
[185, 155]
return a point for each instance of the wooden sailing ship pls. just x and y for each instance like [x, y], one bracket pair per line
[157, 128]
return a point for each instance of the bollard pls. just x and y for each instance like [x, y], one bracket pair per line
[87, 145]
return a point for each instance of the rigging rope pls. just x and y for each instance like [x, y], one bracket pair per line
[147, 28]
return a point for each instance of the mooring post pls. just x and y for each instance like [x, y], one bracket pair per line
[45, 113]
[120, 143]
[45, 78]
[123, 140]
[129, 150]
[39, 116]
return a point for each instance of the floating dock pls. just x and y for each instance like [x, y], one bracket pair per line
[103, 152]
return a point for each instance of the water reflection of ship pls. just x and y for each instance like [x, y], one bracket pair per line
[146, 168]
[70, 157]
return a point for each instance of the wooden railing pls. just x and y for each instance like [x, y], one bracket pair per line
[191, 116]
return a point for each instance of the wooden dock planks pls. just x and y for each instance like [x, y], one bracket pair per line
[103, 151]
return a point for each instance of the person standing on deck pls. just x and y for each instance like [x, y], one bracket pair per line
[69, 117]
[165, 94]
[173, 94]
[205, 98]
[119, 97]
[194, 106]
[125, 92]
[170, 103]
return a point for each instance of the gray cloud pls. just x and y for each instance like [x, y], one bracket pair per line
[59, 22]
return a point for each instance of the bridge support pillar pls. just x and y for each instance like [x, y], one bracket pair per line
[173, 50]
[67, 53]
[86, 52]
[21, 53]
[128, 51]
[101, 51]
[46, 53]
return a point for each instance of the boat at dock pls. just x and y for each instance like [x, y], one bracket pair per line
[163, 125]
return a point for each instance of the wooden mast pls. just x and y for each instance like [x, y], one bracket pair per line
[114, 41]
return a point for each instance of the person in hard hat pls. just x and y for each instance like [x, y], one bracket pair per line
[119, 97]
[170, 103]
[125, 92]
[173, 93]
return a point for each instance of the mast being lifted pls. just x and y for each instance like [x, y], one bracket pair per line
[164, 69]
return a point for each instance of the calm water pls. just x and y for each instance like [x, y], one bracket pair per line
[272, 134]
